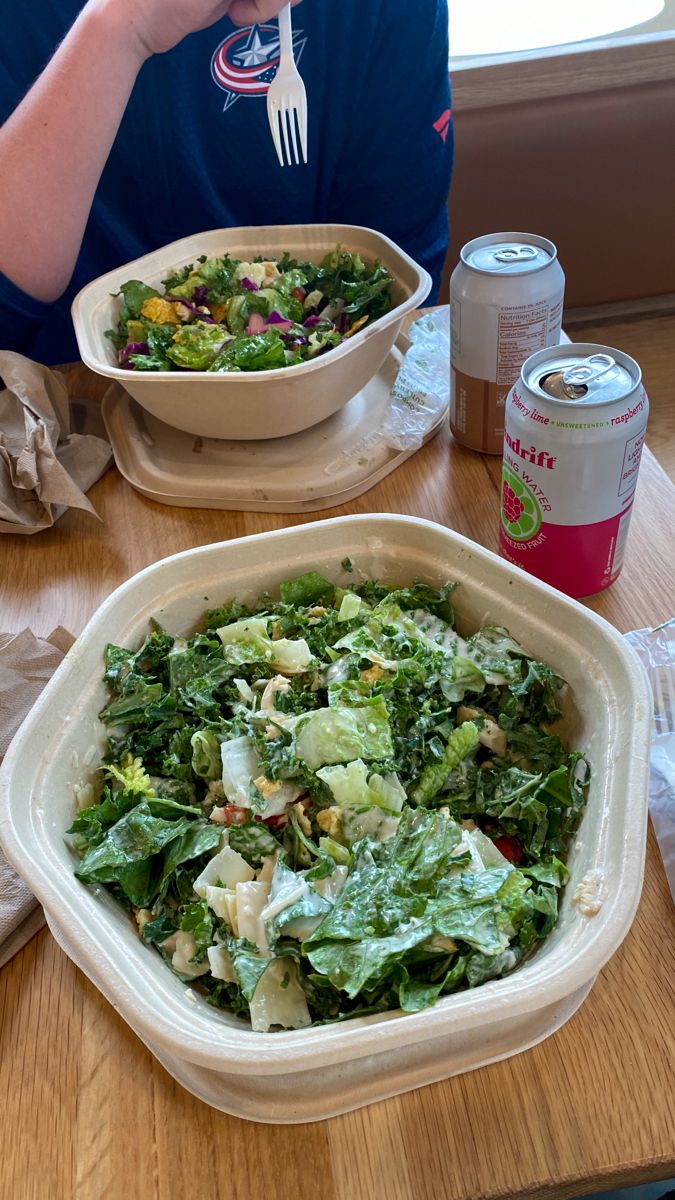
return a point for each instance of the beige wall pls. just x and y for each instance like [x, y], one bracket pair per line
[595, 172]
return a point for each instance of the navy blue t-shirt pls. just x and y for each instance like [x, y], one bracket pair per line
[194, 150]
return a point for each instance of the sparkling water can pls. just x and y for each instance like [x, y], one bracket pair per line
[506, 301]
[574, 430]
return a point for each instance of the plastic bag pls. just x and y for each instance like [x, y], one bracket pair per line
[421, 392]
[656, 648]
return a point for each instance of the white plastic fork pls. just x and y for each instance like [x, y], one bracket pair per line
[287, 99]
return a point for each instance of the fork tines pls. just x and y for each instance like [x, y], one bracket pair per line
[286, 120]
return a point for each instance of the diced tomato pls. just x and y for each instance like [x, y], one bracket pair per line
[509, 847]
[234, 815]
[277, 822]
[299, 293]
[281, 819]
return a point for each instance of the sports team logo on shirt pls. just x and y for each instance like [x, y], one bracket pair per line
[246, 62]
[442, 125]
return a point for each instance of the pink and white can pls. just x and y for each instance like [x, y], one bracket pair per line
[573, 434]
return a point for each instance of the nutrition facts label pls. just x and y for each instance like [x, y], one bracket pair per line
[631, 464]
[520, 331]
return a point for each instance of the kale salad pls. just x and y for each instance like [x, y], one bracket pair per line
[330, 804]
[223, 314]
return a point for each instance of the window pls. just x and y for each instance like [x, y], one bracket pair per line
[510, 51]
[486, 27]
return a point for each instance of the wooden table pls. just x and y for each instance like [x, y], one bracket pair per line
[88, 1113]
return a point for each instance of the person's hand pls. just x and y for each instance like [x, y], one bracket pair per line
[254, 12]
[154, 26]
[157, 25]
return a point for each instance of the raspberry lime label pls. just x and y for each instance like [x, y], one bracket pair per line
[574, 426]
[521, 514]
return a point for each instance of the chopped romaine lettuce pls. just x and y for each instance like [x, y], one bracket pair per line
[335, 735]
[228, 315]
[329, 803]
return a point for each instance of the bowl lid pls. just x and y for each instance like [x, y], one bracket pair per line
[318, 468]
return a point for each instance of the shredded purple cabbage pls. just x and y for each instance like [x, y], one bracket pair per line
[311, 321]
[200, 294]
[276, 318]
[249, 284]
[132, 348]
[205, 317]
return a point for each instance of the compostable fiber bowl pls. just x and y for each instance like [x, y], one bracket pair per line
[248, 405]
[309, 1074]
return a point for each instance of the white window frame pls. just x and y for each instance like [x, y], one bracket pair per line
[619, 60]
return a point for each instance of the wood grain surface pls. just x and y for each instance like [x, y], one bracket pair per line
[650, 340]
[86, 1112]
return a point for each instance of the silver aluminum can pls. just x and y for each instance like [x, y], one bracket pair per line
[575, 428]
[506, 302]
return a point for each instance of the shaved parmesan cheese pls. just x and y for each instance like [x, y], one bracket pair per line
[186, 948]
[292, 890]
[278, 684]
[218, 900]
[251, 899]
[245, 691]
[331, 885]
[266, 870]
[220, 962]
[299, 907]
[230, 906]
[279, 999]
[226, 868]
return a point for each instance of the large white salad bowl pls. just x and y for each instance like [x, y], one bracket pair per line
[310, 1074]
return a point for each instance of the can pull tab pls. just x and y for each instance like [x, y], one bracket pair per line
[588, 370]
[510, 254]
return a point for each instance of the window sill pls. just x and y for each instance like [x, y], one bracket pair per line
[583, 67]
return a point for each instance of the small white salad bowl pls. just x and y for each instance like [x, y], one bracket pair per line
[243, 405]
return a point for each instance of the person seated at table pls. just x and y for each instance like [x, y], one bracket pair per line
[135, 134]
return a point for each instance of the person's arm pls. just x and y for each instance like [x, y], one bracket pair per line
[55, 144]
